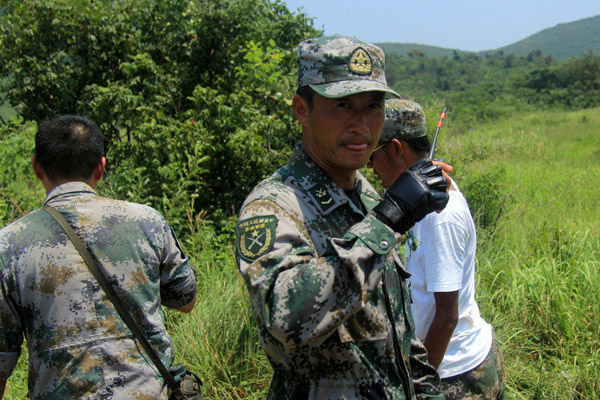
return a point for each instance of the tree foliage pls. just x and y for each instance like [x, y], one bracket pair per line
[424, 76]
[192, 96]
[475, 88]
[483, 88]
[19, 189]
[574, 83]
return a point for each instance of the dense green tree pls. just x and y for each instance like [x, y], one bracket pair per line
[573, 83]
[192, 95]
[19, 189]
[423, 76]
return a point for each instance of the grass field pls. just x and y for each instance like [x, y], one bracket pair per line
[538, 265]
[538, 271]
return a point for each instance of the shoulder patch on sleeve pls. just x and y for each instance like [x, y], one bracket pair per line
[255, 236]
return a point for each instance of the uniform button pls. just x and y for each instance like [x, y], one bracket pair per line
[384, 245]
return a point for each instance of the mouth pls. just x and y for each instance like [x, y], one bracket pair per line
[358, 147]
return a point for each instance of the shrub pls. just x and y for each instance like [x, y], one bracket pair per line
[486, 194]
[20, 191]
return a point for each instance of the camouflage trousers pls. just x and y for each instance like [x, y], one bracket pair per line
[484, 382]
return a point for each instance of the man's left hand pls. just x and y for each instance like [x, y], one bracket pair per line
[445, 169]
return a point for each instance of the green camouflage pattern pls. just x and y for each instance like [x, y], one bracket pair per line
[338, 66]
[485, 382]
[404, 119]
[324, 292]
[78, 345]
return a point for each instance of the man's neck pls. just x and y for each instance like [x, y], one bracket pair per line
[344, 178]
[49, 185]
[414, 158]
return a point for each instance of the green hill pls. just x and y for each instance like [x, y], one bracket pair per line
[562, 41]
[411, 48]
[572, 39]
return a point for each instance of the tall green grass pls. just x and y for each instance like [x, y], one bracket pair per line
[538, 268]
[219, 340]
[538, 279]
[544, 306]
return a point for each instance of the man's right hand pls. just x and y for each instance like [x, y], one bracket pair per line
[418, 191]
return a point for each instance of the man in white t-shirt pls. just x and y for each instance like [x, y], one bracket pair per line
[440, 255]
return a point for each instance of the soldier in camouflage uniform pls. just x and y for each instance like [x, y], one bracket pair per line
[317, 246]
[79, 348]
[440, 255]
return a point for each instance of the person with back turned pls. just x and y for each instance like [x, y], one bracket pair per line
[440, 255]
[79, 348]
[316, 245]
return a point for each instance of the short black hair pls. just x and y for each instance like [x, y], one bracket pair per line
[419, 145]
[68, 147]
[307, 93]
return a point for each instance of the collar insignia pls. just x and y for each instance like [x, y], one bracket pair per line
[322, 196]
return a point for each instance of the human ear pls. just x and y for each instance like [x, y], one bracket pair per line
[301, 110]
[37, 168]
[402, 153]
[99, 171]
[398, 147]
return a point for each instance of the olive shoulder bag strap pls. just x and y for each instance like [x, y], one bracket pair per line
[112, 296]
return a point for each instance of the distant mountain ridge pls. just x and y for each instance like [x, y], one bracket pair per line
[563, 41]
[405, 48]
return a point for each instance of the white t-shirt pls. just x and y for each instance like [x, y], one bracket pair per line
[444, 261]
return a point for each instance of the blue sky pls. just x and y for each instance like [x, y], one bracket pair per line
[472, 25]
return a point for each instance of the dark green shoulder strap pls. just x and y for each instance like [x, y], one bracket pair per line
[112, 296]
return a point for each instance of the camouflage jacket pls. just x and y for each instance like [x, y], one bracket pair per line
[79, 348]
[329, 291]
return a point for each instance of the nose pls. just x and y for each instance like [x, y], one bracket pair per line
[360, 122]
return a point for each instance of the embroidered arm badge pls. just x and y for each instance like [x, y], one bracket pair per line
[255, 237]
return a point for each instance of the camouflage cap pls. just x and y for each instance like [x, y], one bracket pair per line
[338, 66]
[404, 119]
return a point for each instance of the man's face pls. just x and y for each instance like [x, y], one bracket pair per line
[385, 165]
[340, 134]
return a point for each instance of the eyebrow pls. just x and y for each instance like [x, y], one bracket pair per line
[377, 95]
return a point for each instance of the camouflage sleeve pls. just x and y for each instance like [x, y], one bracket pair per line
[178, 278]
[11, 335]
[425, 378]
[299, 296]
